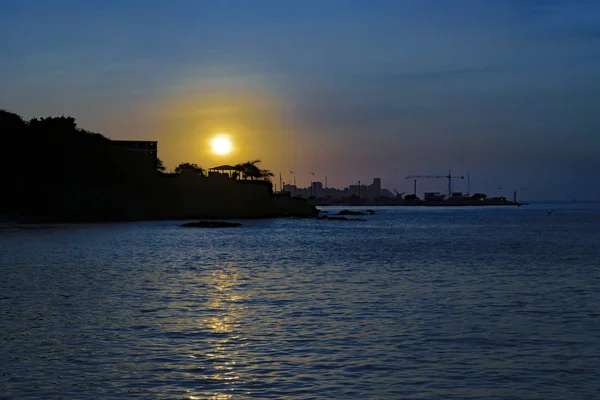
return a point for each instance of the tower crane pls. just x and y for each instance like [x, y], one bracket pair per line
[449, 177]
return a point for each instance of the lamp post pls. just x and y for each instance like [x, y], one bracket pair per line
[292, 173]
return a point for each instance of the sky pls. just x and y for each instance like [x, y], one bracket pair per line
[506, 90]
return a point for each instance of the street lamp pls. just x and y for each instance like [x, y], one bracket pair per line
[292, 173]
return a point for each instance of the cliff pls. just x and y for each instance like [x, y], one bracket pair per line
[168, 197]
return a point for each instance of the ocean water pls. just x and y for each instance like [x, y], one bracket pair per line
[413, 303]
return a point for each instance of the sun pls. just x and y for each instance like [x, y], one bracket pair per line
[221, 145]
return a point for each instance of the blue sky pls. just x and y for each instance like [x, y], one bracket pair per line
[505, 90]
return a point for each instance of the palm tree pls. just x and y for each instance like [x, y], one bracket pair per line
[251, 170]
[266, 174]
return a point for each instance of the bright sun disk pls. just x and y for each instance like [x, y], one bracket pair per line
[221, 145]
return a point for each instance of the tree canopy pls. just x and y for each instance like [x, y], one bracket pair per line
[251, 170]
[160, 166]
[184, 167]
[11, 120]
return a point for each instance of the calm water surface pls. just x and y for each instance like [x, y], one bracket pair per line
[414, 303]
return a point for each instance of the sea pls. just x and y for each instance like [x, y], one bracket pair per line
[407, 303]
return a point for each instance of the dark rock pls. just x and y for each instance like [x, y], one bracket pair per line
[211, 224]
[370, 212]
[350, 212]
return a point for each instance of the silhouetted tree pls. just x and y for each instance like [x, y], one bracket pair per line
[62, 124]
[11, 120]
[266, 174]
[160, 166]
[189, 167]
[13, 133]
[251, 170]
[12, 128]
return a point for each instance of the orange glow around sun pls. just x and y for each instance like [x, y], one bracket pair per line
[221, 144]
[224, 122]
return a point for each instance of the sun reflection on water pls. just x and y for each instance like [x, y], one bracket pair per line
[222, 314]
[219, 396]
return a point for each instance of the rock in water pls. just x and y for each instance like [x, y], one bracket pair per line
[340, 218]
[350, 212]
[211, 224]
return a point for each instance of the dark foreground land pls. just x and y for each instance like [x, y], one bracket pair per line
[51, 170]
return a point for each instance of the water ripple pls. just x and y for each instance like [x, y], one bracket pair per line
[436, 304]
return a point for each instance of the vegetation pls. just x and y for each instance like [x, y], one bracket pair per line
[52, 169]
[251, 170]
[55, 151]
[185, 167]
[160, 166]
[46, 160]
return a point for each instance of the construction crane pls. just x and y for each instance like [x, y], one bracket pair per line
[399, 194]
[449, 177]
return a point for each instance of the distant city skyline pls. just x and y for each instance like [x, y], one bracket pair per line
[318, 189]
[505, 90]
[423, 186]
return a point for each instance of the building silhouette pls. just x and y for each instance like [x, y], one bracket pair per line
[317, 190]
[374, 190]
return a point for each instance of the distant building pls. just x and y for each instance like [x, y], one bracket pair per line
[139, 146]
[374, 189]
[317, 189]
[291, 189]
[359, 191]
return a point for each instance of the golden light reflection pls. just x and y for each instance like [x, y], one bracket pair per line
[222, 312]
[218, 396]
[224, 300]
[224, 321]
[220, 324]
[221, 144]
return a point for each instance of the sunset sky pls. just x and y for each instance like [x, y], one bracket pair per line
[507, 90]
